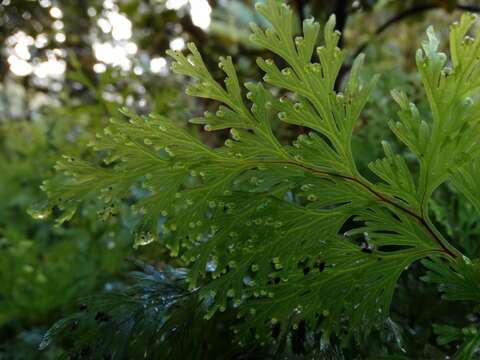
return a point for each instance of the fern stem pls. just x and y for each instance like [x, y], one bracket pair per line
[380, 197]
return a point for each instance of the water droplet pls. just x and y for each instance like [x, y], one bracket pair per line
[306, 187]
[169, 151]
[316, 67]
[258, 221]
[299, 40]
[468, 101]
[468, 39]
[143, 238]
[211, 266]
[248, 281]
[212, 204]
[40, 212]
[235, 134]
[298, 309]
[447, 70]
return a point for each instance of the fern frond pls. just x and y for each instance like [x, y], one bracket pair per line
[261, 224]
[459, 281]
[450, 139]
[150, 318]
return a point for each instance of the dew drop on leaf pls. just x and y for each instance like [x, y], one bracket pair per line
[143, 238]
[40, 212]
[211, 266]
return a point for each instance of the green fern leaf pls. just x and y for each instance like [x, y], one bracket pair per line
[260, 224]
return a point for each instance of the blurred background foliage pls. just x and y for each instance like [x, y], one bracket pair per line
[66, 67]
